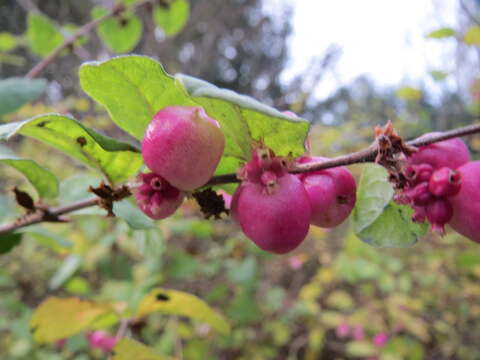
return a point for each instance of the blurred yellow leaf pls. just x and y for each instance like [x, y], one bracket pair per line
[472, 36]
[128, 349]
[183, 304]
[340, 300]
[409, 93]
[361, 349]
[58, 318]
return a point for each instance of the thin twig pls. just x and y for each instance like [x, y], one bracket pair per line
[84, 30]
[366, 155]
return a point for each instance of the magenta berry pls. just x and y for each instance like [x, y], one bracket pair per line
[445, 182]
[271, 206]
[420, 195]
[438, 213]
[416, 174]
[101, 340]
[451, 153]
[466, 204]
[183, 145]
[331, 192]
[156, 197]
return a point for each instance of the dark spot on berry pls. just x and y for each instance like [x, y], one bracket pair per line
[342, 199]
[81, 141]
[162, 297]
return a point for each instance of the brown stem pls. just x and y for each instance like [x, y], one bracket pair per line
[84, 30]
[367, 155]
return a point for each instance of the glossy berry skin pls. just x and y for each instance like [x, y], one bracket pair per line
[450, 153]
[438, 213]
[183, 145]
[156, 197]
[331, 192]
[275, 218]
[466, 204]
[445, 182]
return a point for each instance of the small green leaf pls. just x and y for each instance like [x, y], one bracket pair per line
[42, 179]
[172, 17]
[7, 41]
[180, 303]
[379, 221]
[65, 271]
[116, 160]
[361, 349]
[15, 92]
[409, 93]
[438, 75]
[128, 349]
[472, 36]
[9, 241]
[136, 219]
[120, 33]
[441, 33]
[42, 34]
[58, 318]
[135, 88]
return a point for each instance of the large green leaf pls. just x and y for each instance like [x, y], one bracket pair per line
[116, 160]
[172, 17]
[120, 34]
[9, 241]
[42, 34]
[134, 88]
[15, 92]
[42, 179]
[128, 349]
[183, 304]
[377, 219]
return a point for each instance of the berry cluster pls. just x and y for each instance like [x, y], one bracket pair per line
[442, 187]
[275, 208]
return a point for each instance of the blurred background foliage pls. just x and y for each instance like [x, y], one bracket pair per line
[333, 298]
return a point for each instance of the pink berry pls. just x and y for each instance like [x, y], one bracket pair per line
[439, 212]
[416, 174]
[342, 330]
[466, 204]
[331, 192]
[380, 339]
[183, 145]
[445, 182]
[451, 153]
[358, 333]
[101, 340]
[270, 205]
[156, 197]
[420, 195]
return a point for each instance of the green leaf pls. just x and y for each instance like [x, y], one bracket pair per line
[9, 241]
[134, 88]
[7, 41]
[361, 349]
[136, 219]
[438, 75]
[172, 17]
[59, 318]
[183, 304]
[409, 93]
[472, 36]
[379, 221]
[128, 349]
[42, 179]
[65, 271]
[116, 160]
[120, 33]
[441, 33]
[42, 34]
[15, 92]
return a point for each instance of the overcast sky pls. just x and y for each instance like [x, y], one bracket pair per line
[382, 38]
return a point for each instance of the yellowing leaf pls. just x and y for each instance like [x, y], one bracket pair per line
[409, 93]
[128, 349]
[441, 33]
[472, 36]
[183, 304]
[58, 318]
